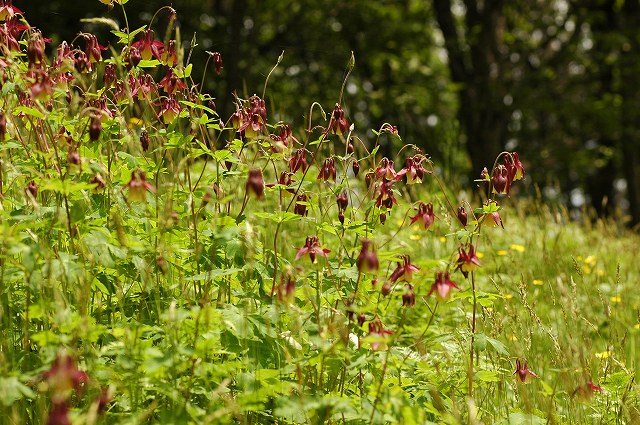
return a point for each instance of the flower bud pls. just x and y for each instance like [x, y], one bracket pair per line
[341, 216]
[386, 288]
[361, 319]
[343, 201]
[356, 168]
[144, 140]
[95, 128]
[217, 62]
[462, 216]
[133, 57]
[32, 188]
[409, 297]
[73, 158]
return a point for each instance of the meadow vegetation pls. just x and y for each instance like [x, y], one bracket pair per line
[162, 264]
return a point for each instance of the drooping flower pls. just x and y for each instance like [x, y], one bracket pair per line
[379, 333]
[287, 288]
[367, 259]
[170, 110]
[255, 183]
[500, 180]
[298, 161]
[170, 83]
[462, 216]
[425, 214]
[138, 185]
[522, 370]
[386, 171]
[301, 205]
[93, 48]
[313, 248]
[414, 170]
[442, 285]
[338, 123]
[328, 170]
[585, 391]
[467, 260]
[404, 271]
[64, 377]
[8, 10]
[385, 197]
[409, 296]
[148, 46]
[217, 61]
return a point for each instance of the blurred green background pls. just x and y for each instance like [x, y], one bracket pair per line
[557, 81]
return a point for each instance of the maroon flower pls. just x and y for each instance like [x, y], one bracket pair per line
[169, 56]
[255, 183]
[133, 57]
[287, 288]
[148, 46]
[301, 205]
[355, 167]
[409, 296]
[425, 213]
[462, 216]
[32, 189]
[7, 10]
[217, 61]
[144, 140]
[64, 377]
[585, 391]
[328, 170]
[367, 259]
[442, 286]
[500, 180]
[313, 248]
[385, 197]
[95, 128]
[298, 161]
[404, 271]
[138, 185]
[93, 48]
[171, 82]
[170, 110]
[379, 333]
[338, 123]
[414, 170]
[522, 370]
[467, 260]
[392, 129]
[386, 171]
[343, 201]
[109, 78]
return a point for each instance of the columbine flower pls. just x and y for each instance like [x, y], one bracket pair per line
[95, 128]
[217, 61]
[522, 370]
[287, 288]
[7, 10]
[138, 185]
[301, 205]
[171, 82]
[93, 48]
[313, 248]
[169, 56]
[386, 170]
[414, 170]
[513, 164]
[442, 286]
[63, 377]
[148, 46]
[377, 330]
[338, 123]
[500, 180]
[170, 110]
[367, 259]
[328, 170]
[343, 201]
[586, 390]
[409, 297]
[298, 161]
[404, 271]
[255, 182]
[462, 216]
[59, 414]
[467, 260]
[385, 197]
[425, 213]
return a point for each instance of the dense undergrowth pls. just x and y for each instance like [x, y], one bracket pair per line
[159, 264]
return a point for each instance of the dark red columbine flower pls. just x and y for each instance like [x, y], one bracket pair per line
[462, 216]
[313, 248]
[367, 259]
[424, 213]
[287, 288]
[10, 33]
[355, 167]
[63, 377]
[170, 110]
[385, 198]
[298, 161]
[500, 180]
[386, 171]
[258, 107]
[286, 180]
[484, 175]
[442, 286]
[138, 185]
[133, 57]
[585, 391]
[109, 77]
[35, 49]
[343, 201]
[413, 169]
[169, 55]
[217, 61]
[32, 188]
[301, 205]
[148, 46]
[171, 82]
[255, 183]
[93, 48]
[7, 10]
[409, 296]
[95, 128]
[392, 129]
[522, 370]
[328, 170]
[338, 123]
[519, 168]
[467, 260]
[404, 271]
[144, 140]
[376, 329]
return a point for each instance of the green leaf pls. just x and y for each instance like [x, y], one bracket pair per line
[12, 390]
[213, 274]
[28, 111]
[487, 376]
